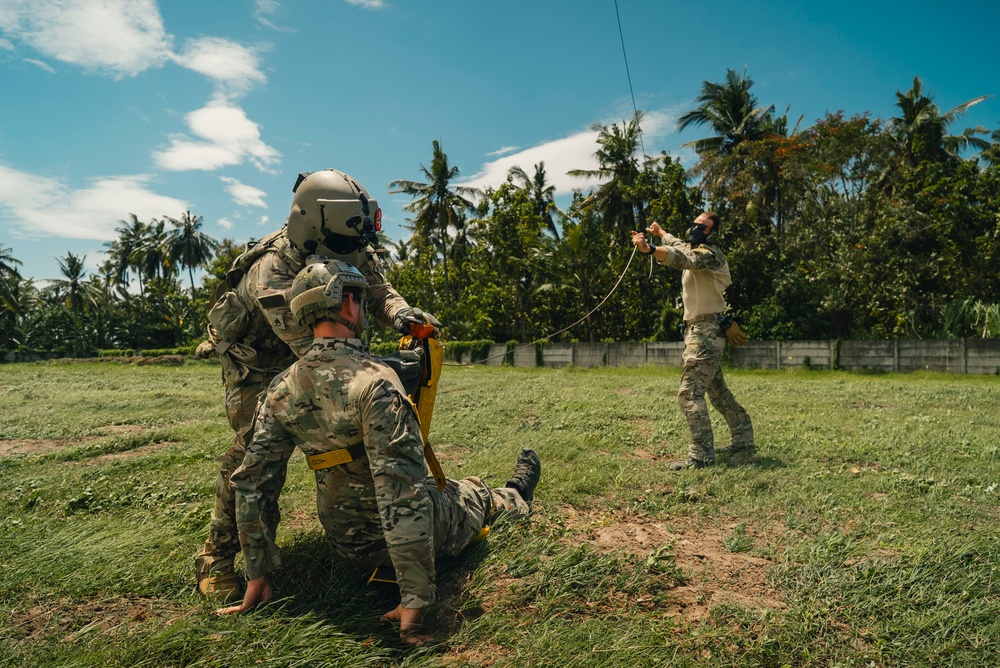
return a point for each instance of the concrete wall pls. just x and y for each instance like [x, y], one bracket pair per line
[979, 356]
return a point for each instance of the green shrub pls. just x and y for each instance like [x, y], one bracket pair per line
[114, 352]
[468, 351]
[187, 351]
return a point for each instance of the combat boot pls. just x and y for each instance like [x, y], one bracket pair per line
[733, 448]
[526, 475]
[221, 585]
[217, 581]
[689, 464]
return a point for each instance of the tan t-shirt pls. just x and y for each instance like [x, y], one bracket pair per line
[704, 275]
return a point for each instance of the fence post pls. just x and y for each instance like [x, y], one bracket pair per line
[777, 354]
[963, 351]
[895, 354]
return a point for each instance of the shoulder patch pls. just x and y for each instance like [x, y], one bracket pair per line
[274, 300]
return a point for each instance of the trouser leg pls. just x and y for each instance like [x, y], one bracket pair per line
[702, 359]
[740, 427]
[464, 507]
[223, 542]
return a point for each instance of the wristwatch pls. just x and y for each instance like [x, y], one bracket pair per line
[652, 248]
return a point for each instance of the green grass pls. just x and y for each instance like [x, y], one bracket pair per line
[863, 531]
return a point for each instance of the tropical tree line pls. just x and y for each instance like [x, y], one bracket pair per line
[135, 300]
[853, 227]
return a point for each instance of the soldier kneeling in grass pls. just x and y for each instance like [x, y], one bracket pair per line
[351, 417]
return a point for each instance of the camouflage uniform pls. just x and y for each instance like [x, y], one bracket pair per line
[379, 507]
[705, 275]
[255, 348]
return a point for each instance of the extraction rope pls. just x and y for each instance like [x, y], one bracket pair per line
[568, 327]
[628, 74]
[635, 111]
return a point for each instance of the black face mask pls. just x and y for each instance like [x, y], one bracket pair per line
[697, 235]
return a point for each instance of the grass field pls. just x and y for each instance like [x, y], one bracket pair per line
[863, 531]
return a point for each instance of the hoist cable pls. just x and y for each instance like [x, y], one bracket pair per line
[628, 74]
[546, 338]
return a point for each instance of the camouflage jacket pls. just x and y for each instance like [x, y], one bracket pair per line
[371, 508]
[263, 294]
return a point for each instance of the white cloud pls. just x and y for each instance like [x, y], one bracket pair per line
[243, 194]
[263, 10]
[226, 137]
[93, 260]
[38, 63]
[503, 151]
[226, 223]
[263, 221]
[368, 4]
[234, 67]
[120, 37]
[6, 44]
[573, 152]
[42, 206]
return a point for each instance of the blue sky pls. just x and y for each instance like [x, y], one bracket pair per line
[111, 107]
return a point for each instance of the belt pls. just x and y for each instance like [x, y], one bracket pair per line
[333, 458]
[701, 318]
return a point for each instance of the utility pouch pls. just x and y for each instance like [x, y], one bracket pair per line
[230, 317]
[408, 365]
[729, 328]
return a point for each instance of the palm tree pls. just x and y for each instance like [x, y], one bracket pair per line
[122, 250]
[72, 289]
[991, 154]
[617, 163]
[732, 112]
[152, 254]
[8, 262]
[18, 309]
[438, 205]
[922, 130]
[541, 192]
[188, 246]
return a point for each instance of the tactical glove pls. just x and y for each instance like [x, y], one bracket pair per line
[204, 350]
[412, 316]
[733, 333]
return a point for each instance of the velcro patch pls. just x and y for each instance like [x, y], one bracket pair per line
[275, 300]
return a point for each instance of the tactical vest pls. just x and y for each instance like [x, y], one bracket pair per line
[228, 314]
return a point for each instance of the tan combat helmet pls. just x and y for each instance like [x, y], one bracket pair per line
[332, 214]
[318, 291]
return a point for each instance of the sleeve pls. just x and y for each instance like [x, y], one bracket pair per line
[396, 455]
[258, 482]
[683, 257]
[670, 240]
[269, 284]
[385, 301]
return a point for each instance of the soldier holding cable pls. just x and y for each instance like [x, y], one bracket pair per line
[704, 278]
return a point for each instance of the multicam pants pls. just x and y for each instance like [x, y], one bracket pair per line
[702, 374]
[223, 544]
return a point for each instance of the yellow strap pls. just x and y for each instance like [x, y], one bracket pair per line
[329, 459]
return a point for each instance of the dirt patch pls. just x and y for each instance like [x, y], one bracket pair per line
[715, 574]
[70, 619]
[35, 446]
[644, 455]
[479, 654]
[132, 454]
[452, 452]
